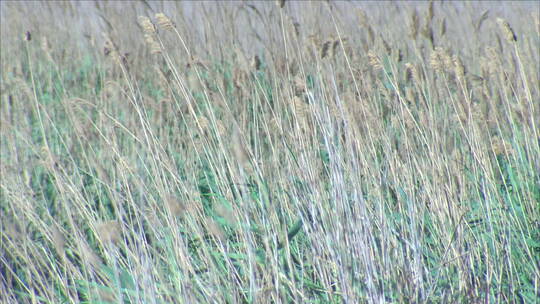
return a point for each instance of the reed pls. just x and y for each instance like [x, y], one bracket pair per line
[252, 152]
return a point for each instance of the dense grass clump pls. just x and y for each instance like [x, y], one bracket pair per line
[248, 152]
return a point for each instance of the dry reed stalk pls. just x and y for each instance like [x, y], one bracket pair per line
[280, 3]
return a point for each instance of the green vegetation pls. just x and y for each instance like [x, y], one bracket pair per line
[247, 152]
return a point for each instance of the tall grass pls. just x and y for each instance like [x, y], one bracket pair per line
[260, 152]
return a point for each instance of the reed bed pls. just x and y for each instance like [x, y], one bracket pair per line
[261, 152]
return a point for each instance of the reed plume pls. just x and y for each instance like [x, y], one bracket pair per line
[507, 30]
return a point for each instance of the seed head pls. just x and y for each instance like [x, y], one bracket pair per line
[459, 68]
[164, 22]
[147, 25]
[256, 63]
[374, 60]
[325, 48]
[508, 32]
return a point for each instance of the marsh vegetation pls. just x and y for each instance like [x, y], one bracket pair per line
[261, 152]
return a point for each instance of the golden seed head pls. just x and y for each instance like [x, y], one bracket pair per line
[440, 60]
[459, 68]
[508, 32]
[147, 25]
[152, 43]
[374, 60]
[412, 72]
[164, 22]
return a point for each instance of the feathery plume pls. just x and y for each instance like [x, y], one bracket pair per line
[507, 30]
[374, 61]
[147, 25]
[164, 22]
[459, 68]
